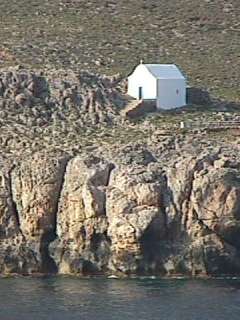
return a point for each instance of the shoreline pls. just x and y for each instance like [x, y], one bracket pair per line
[113, 277]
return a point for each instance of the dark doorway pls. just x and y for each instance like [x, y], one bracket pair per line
[139, 93]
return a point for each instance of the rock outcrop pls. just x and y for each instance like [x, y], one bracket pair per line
[92, 97]
[89, 215]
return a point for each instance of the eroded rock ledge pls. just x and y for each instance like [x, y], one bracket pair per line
[87, 214]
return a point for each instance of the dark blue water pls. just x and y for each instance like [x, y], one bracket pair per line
[104, 299]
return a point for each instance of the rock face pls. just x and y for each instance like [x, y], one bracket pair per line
[28, 214]
[135, 211]
[82, 243]
[89, 215]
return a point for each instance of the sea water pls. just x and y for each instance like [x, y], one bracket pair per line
[69, 298]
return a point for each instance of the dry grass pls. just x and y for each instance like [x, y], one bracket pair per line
[112, 36]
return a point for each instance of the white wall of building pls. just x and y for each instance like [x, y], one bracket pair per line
[141, 77]
[171, 93]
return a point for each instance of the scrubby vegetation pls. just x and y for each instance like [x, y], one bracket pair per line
[202, 37]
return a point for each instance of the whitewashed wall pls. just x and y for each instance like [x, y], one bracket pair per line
[171, 93]
[141, 77]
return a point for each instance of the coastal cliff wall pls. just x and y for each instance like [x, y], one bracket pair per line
[85, 214]
[84, 190]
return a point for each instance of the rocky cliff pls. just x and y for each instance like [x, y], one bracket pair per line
[88, 214]
[84, 191]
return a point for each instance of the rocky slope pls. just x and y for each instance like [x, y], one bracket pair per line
[85, 191]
